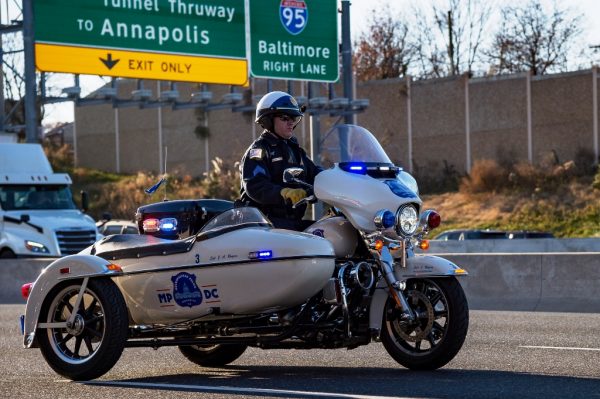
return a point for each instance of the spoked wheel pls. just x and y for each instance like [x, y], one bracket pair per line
[440, 328]
[82, 338]
[213, 355]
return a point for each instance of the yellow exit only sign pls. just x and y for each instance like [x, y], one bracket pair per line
[140, 65]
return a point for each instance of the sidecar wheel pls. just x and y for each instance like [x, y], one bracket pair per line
[440, 330]
[214, 355]
[94, 342]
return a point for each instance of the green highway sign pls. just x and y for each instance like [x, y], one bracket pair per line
[210, 27]
[189, 40]
[139, 30]
[294, 39]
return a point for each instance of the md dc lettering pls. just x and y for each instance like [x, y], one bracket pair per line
[208, 294]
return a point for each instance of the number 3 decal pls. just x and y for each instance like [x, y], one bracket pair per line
[197, 258]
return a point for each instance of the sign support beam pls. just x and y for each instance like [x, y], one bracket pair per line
[347, 58]
[30, 81]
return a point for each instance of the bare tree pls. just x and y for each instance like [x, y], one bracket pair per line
[12, 81]
[13, 84]
[384, 51]
[531, 39]
[449, 38]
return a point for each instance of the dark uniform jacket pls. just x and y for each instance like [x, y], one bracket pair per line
[262, 175]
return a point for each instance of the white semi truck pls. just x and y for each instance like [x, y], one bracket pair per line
[37, 214]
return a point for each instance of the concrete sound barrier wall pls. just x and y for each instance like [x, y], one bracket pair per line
[552, 282]
[15, 273]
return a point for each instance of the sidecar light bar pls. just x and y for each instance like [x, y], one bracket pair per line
[268, 254]
[167, 224]
[150, 225]
[153, 225]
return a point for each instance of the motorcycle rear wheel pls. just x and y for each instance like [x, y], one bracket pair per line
[94, 343]
[440, 330]
[213, 355]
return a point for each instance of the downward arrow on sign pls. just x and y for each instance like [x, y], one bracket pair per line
[109, 62]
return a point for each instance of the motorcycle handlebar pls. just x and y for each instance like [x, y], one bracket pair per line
[311, 199]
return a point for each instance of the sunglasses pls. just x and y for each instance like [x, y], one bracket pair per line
[287, 118]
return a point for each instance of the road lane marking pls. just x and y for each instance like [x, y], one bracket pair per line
[226, 389]
[562, 348]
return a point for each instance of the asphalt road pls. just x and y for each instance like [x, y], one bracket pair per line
[506, 355]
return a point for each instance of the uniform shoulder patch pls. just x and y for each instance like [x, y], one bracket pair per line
[256, 153]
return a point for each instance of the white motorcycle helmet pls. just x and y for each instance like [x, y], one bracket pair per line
[273, 103]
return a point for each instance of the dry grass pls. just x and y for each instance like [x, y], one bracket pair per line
[123, 197]
[569, 210]
[120, 195]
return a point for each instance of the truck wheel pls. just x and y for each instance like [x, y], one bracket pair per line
[212, 356]
[90, 345]
[7, 253]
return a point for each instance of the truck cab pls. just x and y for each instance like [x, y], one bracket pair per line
[37, 214]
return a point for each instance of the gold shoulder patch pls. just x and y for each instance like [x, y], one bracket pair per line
[256, 153]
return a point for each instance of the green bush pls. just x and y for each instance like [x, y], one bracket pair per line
[596, 183]
[486, 176]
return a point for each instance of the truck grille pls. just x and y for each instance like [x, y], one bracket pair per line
[73, 241]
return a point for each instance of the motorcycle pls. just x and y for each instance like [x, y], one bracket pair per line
[236, 282]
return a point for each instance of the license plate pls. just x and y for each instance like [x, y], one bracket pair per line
[22, 321]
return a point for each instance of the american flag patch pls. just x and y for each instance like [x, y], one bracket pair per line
[256, 153]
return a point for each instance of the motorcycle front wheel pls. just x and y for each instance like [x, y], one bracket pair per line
[92, 343]
[213, 355]
[440, 328]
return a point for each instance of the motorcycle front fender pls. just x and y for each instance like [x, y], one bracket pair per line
[427, 266]
[419, 266]
[67, 268]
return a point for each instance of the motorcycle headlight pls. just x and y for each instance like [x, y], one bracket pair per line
[407, 220]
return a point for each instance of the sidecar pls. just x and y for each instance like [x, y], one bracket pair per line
[85, 307]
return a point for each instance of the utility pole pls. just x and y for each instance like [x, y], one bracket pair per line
[347, 57]
[30, 84]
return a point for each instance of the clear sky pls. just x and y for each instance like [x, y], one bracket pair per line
[360, 13]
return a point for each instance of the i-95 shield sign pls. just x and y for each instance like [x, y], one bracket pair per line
[293, 15]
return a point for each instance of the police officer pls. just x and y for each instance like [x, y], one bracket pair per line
[265, 160]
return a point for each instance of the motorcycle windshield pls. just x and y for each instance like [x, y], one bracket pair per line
[351, 143]
[242, 217]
